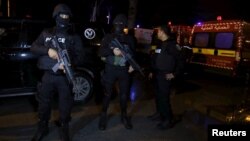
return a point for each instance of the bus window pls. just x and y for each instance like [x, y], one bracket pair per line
[224, 40]
[201, 40]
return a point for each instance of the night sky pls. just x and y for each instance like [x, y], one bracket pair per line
[191, 11]
[149, 13]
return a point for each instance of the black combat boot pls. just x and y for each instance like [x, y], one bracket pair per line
[126, 121]
[42, 131]
[155, 117]
[165, 125]
[64, 132]
[103, 121]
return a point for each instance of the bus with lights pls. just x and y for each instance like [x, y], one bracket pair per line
[221, 47]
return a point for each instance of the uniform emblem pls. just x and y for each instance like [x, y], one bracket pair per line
[158, 51]
[89, 33]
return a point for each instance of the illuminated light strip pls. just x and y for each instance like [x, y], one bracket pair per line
[213, 26]
[231, 22]
[228, 68]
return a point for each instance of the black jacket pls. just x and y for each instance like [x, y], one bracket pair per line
[167, 58]
[72, 42]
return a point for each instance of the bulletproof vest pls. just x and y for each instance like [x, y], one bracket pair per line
[122, 38]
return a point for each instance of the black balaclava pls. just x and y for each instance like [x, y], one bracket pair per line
[62, 15]
[62, 22]
[119, 23]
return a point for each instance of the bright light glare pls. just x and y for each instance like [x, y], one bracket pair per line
[23, 54]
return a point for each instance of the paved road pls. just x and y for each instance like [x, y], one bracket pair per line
[21, 126]
[144, 129]
[191, 104]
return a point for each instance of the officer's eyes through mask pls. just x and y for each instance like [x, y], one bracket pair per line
[64, 16]
[119, 27]
[63, 20]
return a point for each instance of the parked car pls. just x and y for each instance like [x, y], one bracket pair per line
[19, 73]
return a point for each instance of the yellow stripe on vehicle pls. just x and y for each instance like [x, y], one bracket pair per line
[228, 53]
[208, 51]
[195, 50]
[203, 51]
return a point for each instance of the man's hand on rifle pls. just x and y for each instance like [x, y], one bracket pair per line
[131, 69]
[117, 52]
[150, 76]
[61, 67]
[169, 76]
[53, 54]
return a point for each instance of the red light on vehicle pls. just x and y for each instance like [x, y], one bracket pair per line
[28, 16]
[219, 18]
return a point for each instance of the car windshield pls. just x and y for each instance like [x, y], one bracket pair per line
[9, 36]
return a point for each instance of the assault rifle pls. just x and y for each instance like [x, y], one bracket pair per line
[65, 60]
[127, 55]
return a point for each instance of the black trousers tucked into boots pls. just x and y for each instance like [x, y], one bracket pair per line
[110, 76]
[42, 131]
[50, 85]
[64, 132]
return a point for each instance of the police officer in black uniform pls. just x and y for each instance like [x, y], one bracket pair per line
[56, 81]
[116, 68]
[166, 65]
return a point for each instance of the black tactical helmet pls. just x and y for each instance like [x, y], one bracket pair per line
[121, 18]
[61, 8]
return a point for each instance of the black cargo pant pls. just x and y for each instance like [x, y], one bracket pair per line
[163, 87]
[110, 76]
[50, 85]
